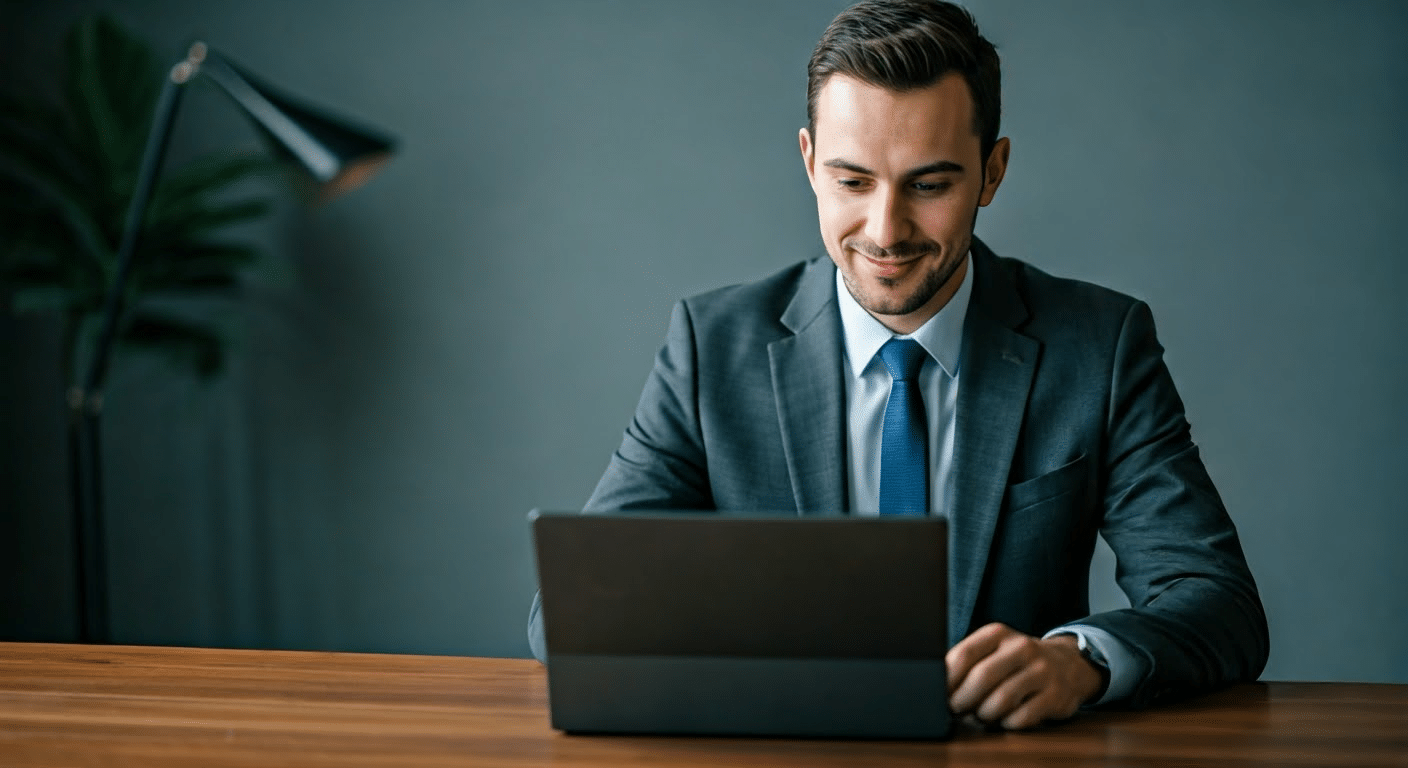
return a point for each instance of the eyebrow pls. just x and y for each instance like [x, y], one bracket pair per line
[942, 166]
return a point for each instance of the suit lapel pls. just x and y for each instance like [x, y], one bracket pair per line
[810, 394]
[996, 373]
[995, 376]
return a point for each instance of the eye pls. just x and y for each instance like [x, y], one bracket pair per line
[930, 187]
[853, 184]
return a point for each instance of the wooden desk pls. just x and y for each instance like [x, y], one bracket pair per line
[113, 706]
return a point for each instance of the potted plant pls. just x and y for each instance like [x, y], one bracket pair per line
[67, 173]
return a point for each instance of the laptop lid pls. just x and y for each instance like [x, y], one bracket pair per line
[745, 625]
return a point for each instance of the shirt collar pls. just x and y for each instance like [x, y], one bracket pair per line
[941, 335]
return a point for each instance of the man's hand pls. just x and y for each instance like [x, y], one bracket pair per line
[1002, 676]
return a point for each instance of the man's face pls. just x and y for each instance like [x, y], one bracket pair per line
[898, 180]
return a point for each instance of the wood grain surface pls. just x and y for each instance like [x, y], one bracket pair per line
[72, 705]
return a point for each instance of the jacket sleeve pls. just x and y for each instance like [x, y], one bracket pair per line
[1195, 614]
[660, 463]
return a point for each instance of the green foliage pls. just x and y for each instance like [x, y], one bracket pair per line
[67, 173]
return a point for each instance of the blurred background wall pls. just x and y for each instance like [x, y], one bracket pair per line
[465, 338]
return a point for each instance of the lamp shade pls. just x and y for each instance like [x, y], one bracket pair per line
[336, 153]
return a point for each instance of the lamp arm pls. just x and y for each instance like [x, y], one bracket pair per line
[152, 156]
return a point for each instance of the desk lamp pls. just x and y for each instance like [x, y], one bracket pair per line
[336, 155]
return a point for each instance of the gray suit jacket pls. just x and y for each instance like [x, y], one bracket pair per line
[1068, 425]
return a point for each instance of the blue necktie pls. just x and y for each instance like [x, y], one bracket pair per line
[904, 447]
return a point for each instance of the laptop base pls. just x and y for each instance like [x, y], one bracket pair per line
[749, 696]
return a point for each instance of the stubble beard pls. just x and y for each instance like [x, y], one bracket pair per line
[931, 283]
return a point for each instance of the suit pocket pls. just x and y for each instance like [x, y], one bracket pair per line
[1039, 563]
[1058, 482]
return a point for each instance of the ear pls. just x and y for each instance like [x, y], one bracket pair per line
[804, 139]
[995, 169]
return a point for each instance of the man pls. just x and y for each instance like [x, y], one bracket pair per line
[1036, 411]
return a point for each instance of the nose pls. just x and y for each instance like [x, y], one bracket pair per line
[887, 221]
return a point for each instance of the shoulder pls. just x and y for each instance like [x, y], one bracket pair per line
[1062, 306]
[1042, 288]
[759, 304]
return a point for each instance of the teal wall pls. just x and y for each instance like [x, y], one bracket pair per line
[464, 338]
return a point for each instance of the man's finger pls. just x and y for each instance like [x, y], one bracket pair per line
[1045, 706]
[1015, 691]
[1010, 657]
[972, 649]
[1029, 714]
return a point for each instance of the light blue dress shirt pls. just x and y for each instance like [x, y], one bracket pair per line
[868, 389]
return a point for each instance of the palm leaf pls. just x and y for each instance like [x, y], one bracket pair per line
[182, 342]
[67, 173]
[113, 84]
[208, 174]
[199, 220]
[28, 128]
[73, 210]
[196, 265]
[41, 298]
[210, 286]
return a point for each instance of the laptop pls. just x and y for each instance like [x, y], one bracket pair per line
[745, 625]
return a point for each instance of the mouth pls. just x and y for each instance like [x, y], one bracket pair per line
[889, 267]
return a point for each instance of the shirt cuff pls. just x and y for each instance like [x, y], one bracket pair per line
[1126, 669]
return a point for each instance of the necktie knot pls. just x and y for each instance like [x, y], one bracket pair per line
[903, 358]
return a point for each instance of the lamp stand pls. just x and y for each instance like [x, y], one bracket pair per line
[85, 400]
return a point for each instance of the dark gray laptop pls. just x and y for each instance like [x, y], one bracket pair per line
[705, 623]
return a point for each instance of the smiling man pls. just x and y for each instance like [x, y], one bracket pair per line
[916, 372]
[898, 185]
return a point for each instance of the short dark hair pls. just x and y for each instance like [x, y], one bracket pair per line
[904, 45]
